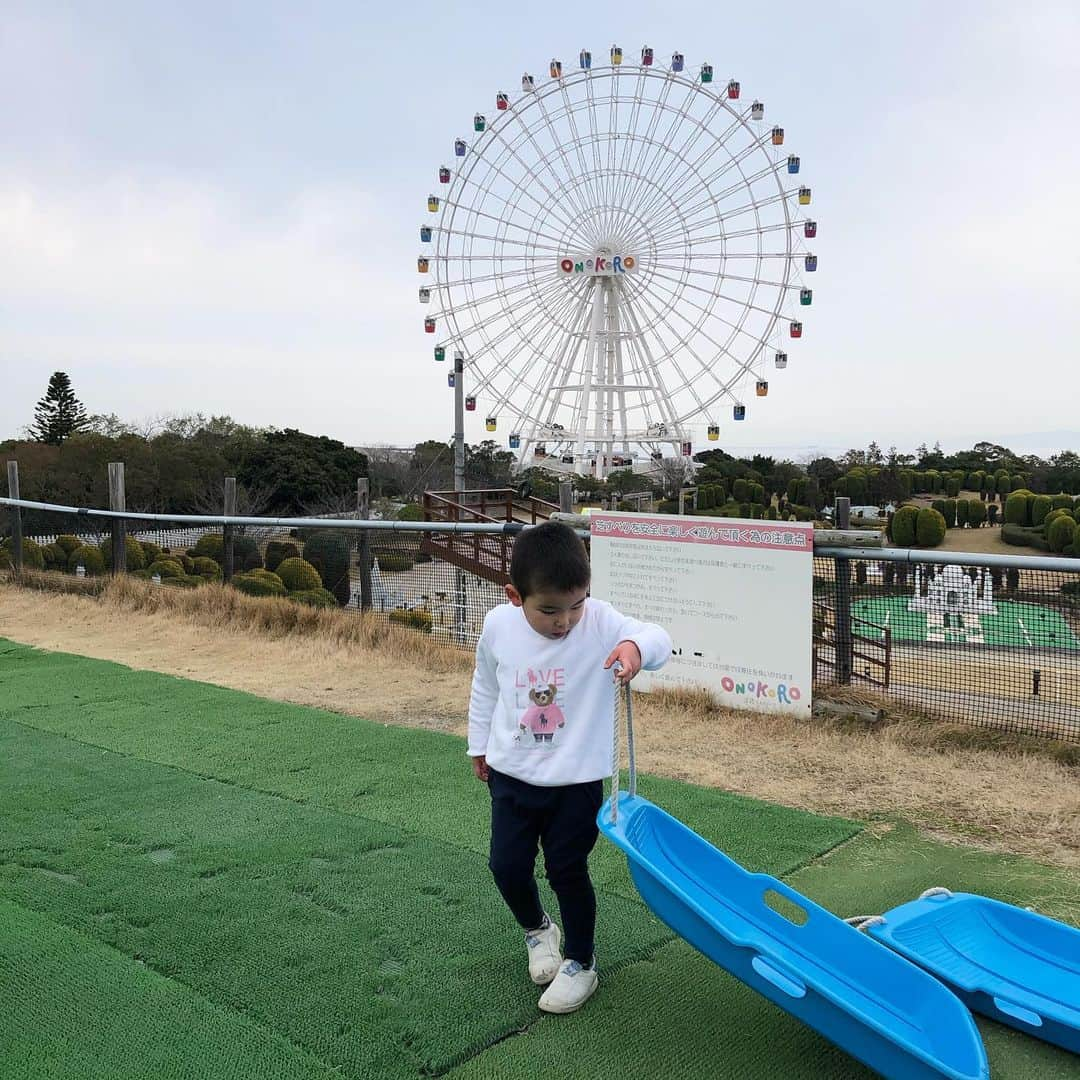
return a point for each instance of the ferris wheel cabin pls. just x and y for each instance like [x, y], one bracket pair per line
[585, 59]
[528, 83]
[739, 412]
[714, 432]
[796, 329]
[478, 122]
[646, 56]
[810, 231]
[422, 265]
[425, 295]
[733, 90]
[490, 423]
[804, 196]
[444, 174]
[616, 56]
[429, 325]
[762, 388]
[793, 163]
[757, 111]
[810, 263]
[515, 441]
[470, 404]
[781, 360]
[425, 234]
[778, 136]
[706, 73]
[806, 297]
[678, 61]
[555, 69]
[459, 148]
[432, 203]
[440, 353]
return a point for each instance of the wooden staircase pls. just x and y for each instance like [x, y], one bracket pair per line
[487, 555]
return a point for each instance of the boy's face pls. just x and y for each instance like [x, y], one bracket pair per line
[550, 613]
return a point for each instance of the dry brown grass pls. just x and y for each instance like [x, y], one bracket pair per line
[1003, 793]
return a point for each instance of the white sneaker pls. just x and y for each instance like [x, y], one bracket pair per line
[571, 988]
[544, 953]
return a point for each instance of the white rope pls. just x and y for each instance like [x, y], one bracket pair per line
[937, 890]
[616, 746]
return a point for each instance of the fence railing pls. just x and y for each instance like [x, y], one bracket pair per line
[988, 640]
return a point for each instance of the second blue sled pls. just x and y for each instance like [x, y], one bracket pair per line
[869, 1001]
[1013, 965]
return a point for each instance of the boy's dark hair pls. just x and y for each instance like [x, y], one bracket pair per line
[549, 557]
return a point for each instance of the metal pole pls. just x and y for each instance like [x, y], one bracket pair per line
[459, 427]
[364, 546]
[119, 526]
[566, 496]
[16, 516]
[230, 511]
[459, 487]
[844, 643]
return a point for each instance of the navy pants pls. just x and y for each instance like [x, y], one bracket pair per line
[561, 820]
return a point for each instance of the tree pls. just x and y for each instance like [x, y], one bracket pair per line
[59, 414]
[301, 468]
[486, 466]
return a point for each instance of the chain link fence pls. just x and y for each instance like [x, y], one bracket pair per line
[987, 640]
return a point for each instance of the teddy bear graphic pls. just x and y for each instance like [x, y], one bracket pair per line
[543, 716]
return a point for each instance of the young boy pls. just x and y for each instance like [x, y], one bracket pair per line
[540, 736]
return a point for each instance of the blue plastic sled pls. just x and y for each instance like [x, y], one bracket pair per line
[868, 1000]
[1002, 961]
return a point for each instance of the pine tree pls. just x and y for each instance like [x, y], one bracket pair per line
[59, 414]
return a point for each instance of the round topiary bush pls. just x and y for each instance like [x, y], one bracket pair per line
[166, 568]
[55, 557]
[1016, 509]
[950, 514]
[1062, 502]
[1061, 533]
[411, 512]
[151, 551]
[278, 551]
[184, 581]
[259, 583]
[211, 546]
[1041, 505]
[88, 557]
[133, 554]
[252, 561]
[319, 598]
[976, 512]
[929, 528]
[328, 552]
[962, 506]
[298, 575]
[205, 567]
[904, 524]
[415, 619]
[69, 543]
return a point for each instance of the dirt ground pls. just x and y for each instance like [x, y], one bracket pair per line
[1009, 801]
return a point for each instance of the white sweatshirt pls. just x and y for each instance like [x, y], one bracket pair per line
[541, 708]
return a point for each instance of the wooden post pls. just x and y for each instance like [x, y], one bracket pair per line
[566, 496]
[117, 501]
[363, 512]
[844, 642]
[229, 530]
[16, 516]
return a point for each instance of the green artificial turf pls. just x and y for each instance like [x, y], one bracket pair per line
[1015, 624]
[242, 888]
[678, 1015]
[321, 875]
[417, 780]
[74, 1009]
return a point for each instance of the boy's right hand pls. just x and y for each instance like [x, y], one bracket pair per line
[480, 767]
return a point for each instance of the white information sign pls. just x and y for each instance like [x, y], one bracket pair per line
[735, 595]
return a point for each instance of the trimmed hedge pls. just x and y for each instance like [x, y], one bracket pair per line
[415, 619]
[962, 508]
[298, 575]
[90, 558]
[69, 543]
[328, 552]
[1061, 533]
[151, 551]
[277, 551]
[904, 525]
[1041, 505]
[211, 546]
[929, 528]
[134, 555]
[411, 512]
[259, 583]
[950, 514]
[394, 560]
[1023, 536]
[166, 568]
[184, 581]
[319, 598]
[1016, 509]
[976, 512]
[205, 567]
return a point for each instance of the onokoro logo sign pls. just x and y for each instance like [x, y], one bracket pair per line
[600, 265]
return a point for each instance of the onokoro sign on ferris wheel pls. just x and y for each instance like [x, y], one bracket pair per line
[599, 265]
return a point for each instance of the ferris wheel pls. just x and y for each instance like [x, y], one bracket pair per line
[615, 255]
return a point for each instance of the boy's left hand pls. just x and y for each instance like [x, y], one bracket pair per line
[627, 654]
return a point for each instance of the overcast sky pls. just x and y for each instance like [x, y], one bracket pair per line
[213, 207]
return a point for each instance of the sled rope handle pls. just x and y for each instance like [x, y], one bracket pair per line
[623, 705]
[864, 922]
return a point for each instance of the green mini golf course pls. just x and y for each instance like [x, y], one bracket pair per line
[198, 882]
[1015, 624]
